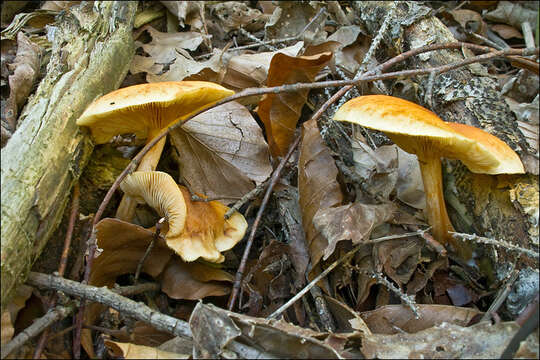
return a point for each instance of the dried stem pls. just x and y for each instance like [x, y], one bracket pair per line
[247, 197]
[331, 267]
[501, 296]
[407, 299]
[499, 243]
[149, 249]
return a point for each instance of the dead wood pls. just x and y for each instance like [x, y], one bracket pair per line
[91, 52]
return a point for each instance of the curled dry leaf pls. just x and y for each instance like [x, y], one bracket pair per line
[132, 351]
[194, 281]
[222, 151]
[213, 328]
[352, 221]
[317, 186]
[280, 112]
[183, 68]
[164, 46]
[25, 69]
[250, 70]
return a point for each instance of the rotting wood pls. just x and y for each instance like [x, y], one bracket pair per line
[91, 52]
[502, 205]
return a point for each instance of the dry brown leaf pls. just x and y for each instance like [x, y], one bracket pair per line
[350, 222]
[9, 315]
[512, 13]
[233, 15]
[444, 341]
[250, 70]
[132, 351]
[25, 69]
[290, 19]
[164, 46]
[390, 319]
[194, 281]
[317, 186]
[187, 12]
[280, 112]
[506, 31]
[213, 328]
[470, 20]
[58, 5]
[222, 151]
[183, 68]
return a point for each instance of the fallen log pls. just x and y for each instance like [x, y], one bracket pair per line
[92, 47]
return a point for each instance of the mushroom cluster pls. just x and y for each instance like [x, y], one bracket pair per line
[146, 110]
[195, 230]
[419, 131]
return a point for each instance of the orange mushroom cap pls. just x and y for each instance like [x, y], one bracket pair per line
[145, 108]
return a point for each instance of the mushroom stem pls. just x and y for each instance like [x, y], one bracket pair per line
[126, 209]
[430, 166]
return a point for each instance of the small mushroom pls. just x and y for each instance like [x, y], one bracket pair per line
[196, 229]
[419, 131]
[145, 110]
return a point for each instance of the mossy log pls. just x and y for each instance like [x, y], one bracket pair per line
[92, 47]
[502, 207]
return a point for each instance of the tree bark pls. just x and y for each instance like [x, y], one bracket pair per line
[91, 51]
[501, 206]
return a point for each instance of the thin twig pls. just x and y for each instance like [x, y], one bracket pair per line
[131, 290]
[499, 243]
[159, 224]
[36, 328]
[407, 299]
[331, 267]
[243, 262]
[528, 324]
[501, 296]
[63, 262]
[430, 241]
[247, 197]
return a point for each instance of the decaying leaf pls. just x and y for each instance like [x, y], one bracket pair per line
[25, 69]
[250, 70]
[187, 12]
[512, 13]
[193, 281]
[183, 68]
[222, 151]
[12, 309]
[213, 328]
[506, 31]
[164, 46]
[132, 351]
[443, 341]
[317, 186]
[290, 19]
[350, 222]
[378, 168]
[233, 15]
[280, 112]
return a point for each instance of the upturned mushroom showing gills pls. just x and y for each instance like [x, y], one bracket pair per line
[145, 110]
[196, 229]
[419, 131]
